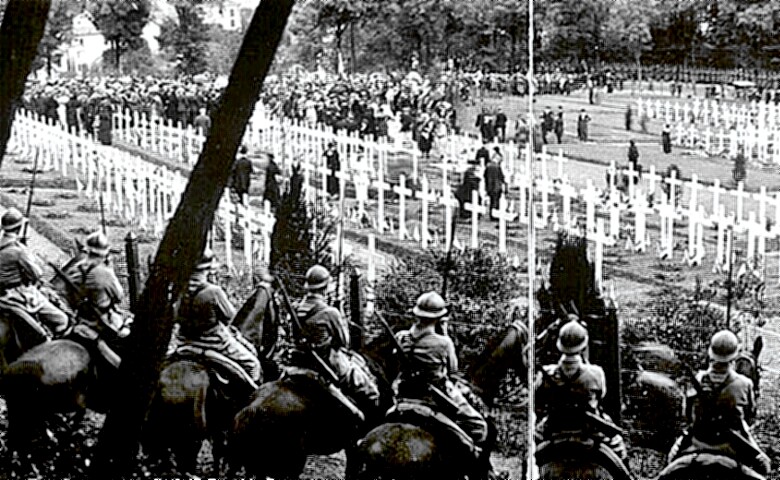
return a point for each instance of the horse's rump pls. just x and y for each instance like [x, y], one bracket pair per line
[707, 466]
[417, 412]
[58, 362]
[575, 457]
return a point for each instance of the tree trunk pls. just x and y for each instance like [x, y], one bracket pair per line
[20, 33]
[183, 244]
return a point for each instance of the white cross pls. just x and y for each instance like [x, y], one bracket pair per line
[561, 160]
[741, 195]
[449, 203]
[762, 199]
[640, 208]
[425, 197]
[652, 178]
[475, 208]
[614, 218]
[591, 197]
[694, 186]
[673, 182]
[668, 214]
[343, 175]
[402, 192]
[716, 190]
[267, 222]
[381, 188]
[697, 220]
[633, 176]
[545, 186]
[600, 240]
[503, 215]
[567, 192]
[445, 169]
[725, 224]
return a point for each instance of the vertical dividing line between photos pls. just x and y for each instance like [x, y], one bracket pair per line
[531, 423]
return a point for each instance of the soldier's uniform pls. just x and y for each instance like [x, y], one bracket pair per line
[572, 385]
[325, 331]
[728, 405]
[204, 317]
[19, 276]
[432, 359]
[100, 294]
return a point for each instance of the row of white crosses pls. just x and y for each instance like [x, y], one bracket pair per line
[131, 188]
[668, 212]
[172, 140]
[751, 141]
[709, 112]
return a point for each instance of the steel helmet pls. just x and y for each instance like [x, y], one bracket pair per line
[12, 219]
[430, 305]
[317, 278]
[724, 346]
[97, 243]
[206, 261]
[572, 339]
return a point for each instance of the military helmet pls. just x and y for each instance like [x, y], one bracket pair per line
[97, 243]
[12, 219]
[724, 346]
[430, 305]
[206, 261]
[572, 339]
[317, 277]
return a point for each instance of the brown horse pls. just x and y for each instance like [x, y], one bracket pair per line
[708, 466]
[575, 457]
[195, 402]
[417, 448]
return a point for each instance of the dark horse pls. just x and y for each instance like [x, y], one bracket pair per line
[19, 331]
[416, 447]
[196, 403]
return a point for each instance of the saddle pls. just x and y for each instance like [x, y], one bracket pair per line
[28, 332]
[419, 412]
[295, 374]
[90, 339]
[695, 461]
[223, 370]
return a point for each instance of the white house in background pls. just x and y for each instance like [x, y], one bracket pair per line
[87, 45]
[228, 14]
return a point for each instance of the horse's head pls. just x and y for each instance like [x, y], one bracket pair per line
[258, 321]
[384, 363]
[504, 351]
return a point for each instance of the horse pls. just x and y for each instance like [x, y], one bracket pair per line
[572, 456]
[707, 466]
[19, 331]
[415, 445]
[193, 399]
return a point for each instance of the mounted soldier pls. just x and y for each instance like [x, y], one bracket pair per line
[431, 359]
[20, 276]
[204, 317]
[573, 386]
[722, 408]
[97, 300]
[324, 330]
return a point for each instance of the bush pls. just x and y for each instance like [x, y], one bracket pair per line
[480, 285]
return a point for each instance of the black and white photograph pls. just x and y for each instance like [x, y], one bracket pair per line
[390, 239]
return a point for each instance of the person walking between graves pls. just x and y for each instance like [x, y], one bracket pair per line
[204, 316]
[470, 183]
[202, 122]
[334, 165]
[548, 123]
[723, 409]
[324, 330]
[628, 118]
[241, 176]
[573, 386]
[558, 127]
[483, 154]
[20, 276]
[431, 360]
[582, 126]
[666, 139]
[501, 125]
[98, 301]
[494, 181]
[633, 155]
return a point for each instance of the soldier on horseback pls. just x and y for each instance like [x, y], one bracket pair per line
[204, 318]
[722, 409]
[324, 330]
[20, 276]
[98, 299]
[431, 360]
[573, 385]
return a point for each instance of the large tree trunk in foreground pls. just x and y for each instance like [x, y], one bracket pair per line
[183, 244]
[20, 33]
